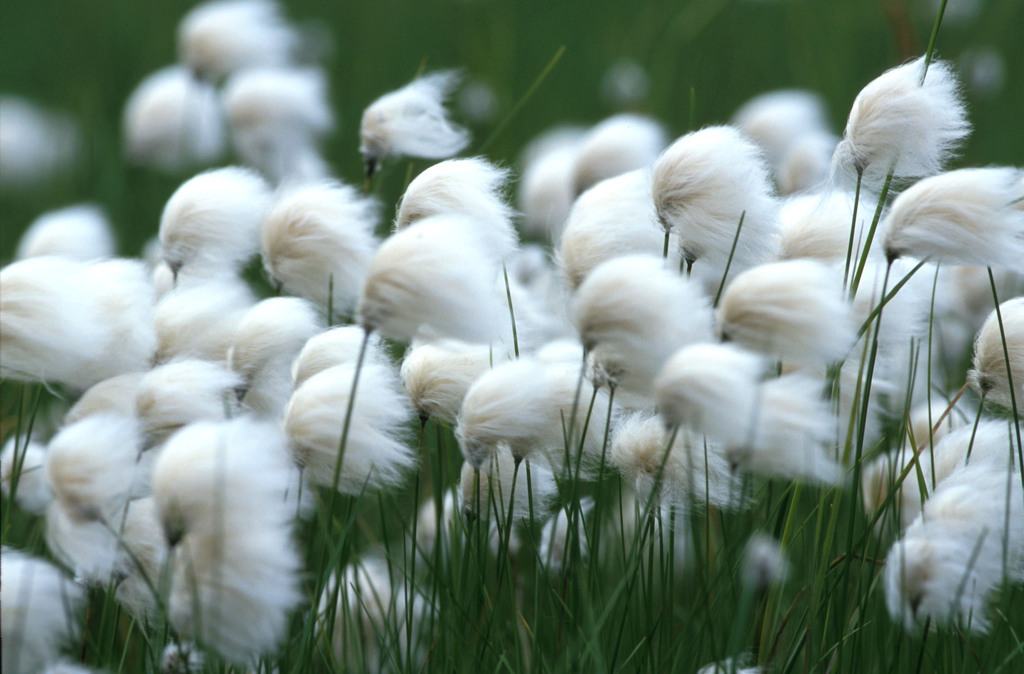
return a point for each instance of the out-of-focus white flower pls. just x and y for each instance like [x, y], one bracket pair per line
[336, 346]
[35, 144]
[546, 189]
[617, 145]
[22, 473]
[81, 232]
[991, 374]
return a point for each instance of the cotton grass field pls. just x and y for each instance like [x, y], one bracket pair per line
[477, 336]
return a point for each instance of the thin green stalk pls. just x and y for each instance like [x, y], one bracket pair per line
[498, 130]
[511, 311]
[728, 263]
[871, 235]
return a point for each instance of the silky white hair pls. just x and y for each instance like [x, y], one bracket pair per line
[73, 322]
[991, 372]
[412, 287]
[488, 491]
[793, 310]
[25, 458]
[817, 226]
[114, 395]
[80, 232]
[219, 490]
[212, 220]
[546, 189]
[198, 320]
[617, 145]
[969, 216]
[172, 121]
[266, 342]
[412, 121]
[899, 124]
[219, 37]
[375, 455]
[777, 120]
[436, 375]
[336, 346]
[636, 310]
[38, 607]
[278, 117]
[613, 218]
[702, 185]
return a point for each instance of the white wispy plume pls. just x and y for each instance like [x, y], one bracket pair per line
[93, 469]
[412, 121]
[219, 37]
[115, 395]
[36, 144]
[317, 242]
[80, 232]
[143, 554]
[172, 121]
[764, 563]
[38, 612]
[73, 322]
[181, 392]
[198, 319]
[219, 490]
[488, 491]
[617, 145]
[546, 190]
[529, 405]
[368, 625]
[790, 433]
[22, 474]
[778, 120]
[336, 346]
[899, 124]
[413, 288]
[711, 389]
[278, 118]
[474, 187]
[554, 551]
[613, 218]
[436, 375]
[694, 472]
[792, 310]
[702, 185]
[991, 372]
[807, 164]
[375, 455]
[951, 559]
[969, 216]
[818, 226]
[211, 222]
[988, 446]
[265, 344]
[635, 311]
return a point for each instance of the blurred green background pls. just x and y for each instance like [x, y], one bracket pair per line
[84, 58]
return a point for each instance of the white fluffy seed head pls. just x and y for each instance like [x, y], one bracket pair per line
[81, 232]
[317, 242]
[790, 433]
[182, 392]
[791, 310]
[529, 405]
[817, 226]
[806, 165]
[412, 286]
[38, 612]
[212, 220]
[172, 121]
[375, 455]
[613, 218]
[710, 389]
[899, 124]
[35, 143]
[554, 537]
[336, 346]
[764, 563]
[617, 145]
[436, 375]
[22, 473]
[278, 117]
[115, 395]
[412, 121]
[93, 467]
[198, 320]
[638, 313]
[970, 216]
[703, 184]
[219, 490]
[73, 322]
[777, 120]
[266, 342]
[950, 560]
[474, 187]
[546, 189]
[219, 37]
[689, 475]
[487, 492]
[991, 373]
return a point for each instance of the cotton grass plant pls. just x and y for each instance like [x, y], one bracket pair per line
[498, 466]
